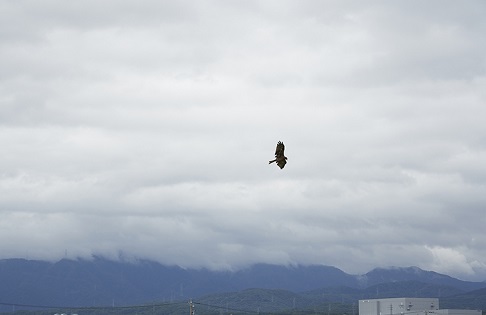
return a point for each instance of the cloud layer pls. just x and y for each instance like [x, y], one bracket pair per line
[143, 130]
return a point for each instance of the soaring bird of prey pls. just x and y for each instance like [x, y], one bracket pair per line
[280, 158]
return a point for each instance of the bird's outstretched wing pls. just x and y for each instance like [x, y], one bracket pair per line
[279, 151]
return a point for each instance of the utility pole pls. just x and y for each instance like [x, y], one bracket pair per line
[191, 308]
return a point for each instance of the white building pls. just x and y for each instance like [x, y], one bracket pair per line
[408, 306]
[396, 306]
[458, 312]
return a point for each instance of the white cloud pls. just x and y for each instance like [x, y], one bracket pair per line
[449, 260]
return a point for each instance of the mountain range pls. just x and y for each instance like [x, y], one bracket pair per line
[102, 282]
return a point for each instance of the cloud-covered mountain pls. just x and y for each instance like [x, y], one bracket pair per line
[395, 274]
[101, 282]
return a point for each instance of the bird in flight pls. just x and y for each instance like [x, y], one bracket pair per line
[280, 158]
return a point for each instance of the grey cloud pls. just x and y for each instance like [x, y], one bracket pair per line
[145, 130]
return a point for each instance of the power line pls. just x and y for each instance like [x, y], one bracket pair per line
[226, 308]
[33, 306]
[92, 307]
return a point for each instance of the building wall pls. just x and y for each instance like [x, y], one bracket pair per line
[398, 306]
[458, 312]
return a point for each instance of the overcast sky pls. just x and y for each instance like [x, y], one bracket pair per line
[143, 129]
